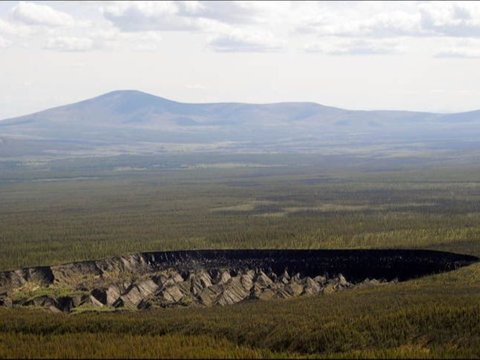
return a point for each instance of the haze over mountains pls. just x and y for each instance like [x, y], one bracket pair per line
[134, 121]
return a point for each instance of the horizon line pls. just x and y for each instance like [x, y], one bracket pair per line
[234, 102]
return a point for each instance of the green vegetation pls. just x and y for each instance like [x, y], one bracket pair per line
[310, 205]
[64, 211]
[55, 291]
[436, 316]
[108, 345]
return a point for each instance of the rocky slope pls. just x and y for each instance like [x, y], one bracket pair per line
[213, 277]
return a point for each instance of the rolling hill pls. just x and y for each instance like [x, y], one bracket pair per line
[131, 120]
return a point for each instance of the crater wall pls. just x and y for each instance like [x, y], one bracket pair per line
[215, 277]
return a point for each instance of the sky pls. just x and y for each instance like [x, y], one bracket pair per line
[422, 56]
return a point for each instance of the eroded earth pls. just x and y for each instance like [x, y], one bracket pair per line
[214, 277]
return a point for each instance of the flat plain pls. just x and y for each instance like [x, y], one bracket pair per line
[59, 211]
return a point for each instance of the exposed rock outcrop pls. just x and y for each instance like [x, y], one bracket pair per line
[213, 277]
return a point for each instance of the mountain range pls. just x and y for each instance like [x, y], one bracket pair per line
[130, 119]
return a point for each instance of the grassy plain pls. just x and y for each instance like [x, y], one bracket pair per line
[67, 210]
[73, 211]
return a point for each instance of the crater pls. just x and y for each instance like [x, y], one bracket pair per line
[214, 277]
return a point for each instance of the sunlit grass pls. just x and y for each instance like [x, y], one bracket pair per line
[311, 206]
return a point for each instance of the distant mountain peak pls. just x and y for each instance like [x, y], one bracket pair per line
[129, 95]
[122, 120]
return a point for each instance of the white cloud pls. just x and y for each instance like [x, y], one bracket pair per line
[7, 28]
[178, 15]
[10, 29]
[391, 24]
[242, 41]
[37, 14]
[229, 12]
[332, 46]
[148, 8]
[464, 48]
[365, 27]
[451, 19]
[4, 43]
[147, 41]
[411, 19]
[263, 26]
[106, 39]
[220, 20]
[459, 53]
[70, 43]
[145, 16]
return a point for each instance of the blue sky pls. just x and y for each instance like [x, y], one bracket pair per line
[367, 55]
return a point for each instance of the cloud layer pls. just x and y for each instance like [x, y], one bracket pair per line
[360, 29]
[37, 14]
